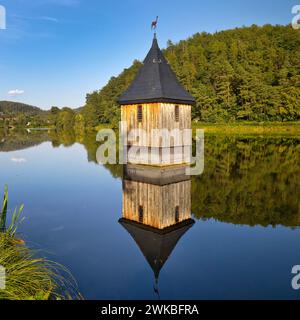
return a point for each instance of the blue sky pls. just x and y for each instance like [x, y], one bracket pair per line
[53, 52]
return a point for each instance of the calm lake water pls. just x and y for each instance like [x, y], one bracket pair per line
[246, 208]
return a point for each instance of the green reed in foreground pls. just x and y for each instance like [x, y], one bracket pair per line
[29, 277]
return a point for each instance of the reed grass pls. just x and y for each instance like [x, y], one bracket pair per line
[28, 276]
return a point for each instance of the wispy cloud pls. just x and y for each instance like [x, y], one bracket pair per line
[38, 18]
[15, 33]
[15, 92]
[50, 19]
[64, 3]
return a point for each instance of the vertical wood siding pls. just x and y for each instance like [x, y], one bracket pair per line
[155, 116]
[159, 202]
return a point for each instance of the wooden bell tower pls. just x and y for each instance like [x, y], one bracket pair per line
[156, 100]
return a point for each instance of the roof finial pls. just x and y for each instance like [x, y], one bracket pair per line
[154, 24]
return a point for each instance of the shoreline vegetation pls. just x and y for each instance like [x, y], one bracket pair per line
[250, 128]
[241, 127]
[27, 275]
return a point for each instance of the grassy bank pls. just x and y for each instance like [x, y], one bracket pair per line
[234, 128]
[253, 128]
[28, 276]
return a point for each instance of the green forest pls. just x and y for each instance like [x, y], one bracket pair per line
[244, 74]
[248, 74]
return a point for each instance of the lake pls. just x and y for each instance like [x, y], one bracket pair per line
[241, 242]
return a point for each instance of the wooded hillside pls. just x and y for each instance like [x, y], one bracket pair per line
[10, 107]
[250, 73]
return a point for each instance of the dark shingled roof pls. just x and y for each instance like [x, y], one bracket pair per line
[156, 82]
[156, 245]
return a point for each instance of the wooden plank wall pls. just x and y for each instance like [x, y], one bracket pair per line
[158, 202]
[155, 116]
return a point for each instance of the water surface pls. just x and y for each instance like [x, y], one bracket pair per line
[246, 208]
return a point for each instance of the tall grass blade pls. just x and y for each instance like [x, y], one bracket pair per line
[3, 213]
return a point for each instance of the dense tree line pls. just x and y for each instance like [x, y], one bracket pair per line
[250, 73]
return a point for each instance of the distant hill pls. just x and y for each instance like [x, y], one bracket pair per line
[10, 107]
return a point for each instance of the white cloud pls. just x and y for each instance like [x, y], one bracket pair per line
[18, 160]
[15, 92]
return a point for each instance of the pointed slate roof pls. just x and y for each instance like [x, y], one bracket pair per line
[156, 245]
[156, 82]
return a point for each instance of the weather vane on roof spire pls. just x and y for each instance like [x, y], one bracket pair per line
[154, 24]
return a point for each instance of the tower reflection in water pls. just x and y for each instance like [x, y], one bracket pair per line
[156, 210]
